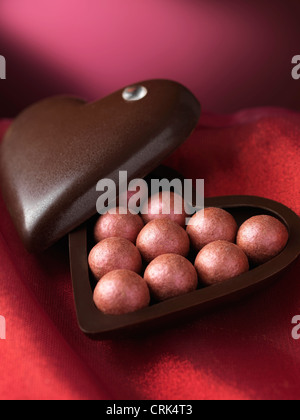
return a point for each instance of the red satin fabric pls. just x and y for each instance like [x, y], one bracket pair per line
[244, 351]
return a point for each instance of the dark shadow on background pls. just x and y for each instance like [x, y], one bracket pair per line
[29, 79]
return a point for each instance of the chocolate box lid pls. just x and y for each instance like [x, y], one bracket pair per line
[56, 151]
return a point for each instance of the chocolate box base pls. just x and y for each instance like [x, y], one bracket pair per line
[170, 312]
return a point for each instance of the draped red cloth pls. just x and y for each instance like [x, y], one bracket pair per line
[243, 351]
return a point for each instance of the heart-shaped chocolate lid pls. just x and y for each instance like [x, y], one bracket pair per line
[56, 151]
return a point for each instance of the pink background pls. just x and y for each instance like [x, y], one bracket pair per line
[232, 54]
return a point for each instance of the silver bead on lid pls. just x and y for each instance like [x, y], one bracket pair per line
[134, 93]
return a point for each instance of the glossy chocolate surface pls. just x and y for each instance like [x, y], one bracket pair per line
[57, 150]
[170, 312]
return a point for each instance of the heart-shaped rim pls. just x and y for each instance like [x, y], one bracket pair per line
[56, 151]
[94, 323]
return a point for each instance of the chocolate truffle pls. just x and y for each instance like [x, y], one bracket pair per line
[162, 236]
[120, 292]
[165, 205]
[209, 225]
[113, 254]
[126, 226]
[170, 275]
[262, 238]
[219, 261]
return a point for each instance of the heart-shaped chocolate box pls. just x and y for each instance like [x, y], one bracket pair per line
[57, 150]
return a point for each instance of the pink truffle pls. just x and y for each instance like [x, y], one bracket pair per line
[162, 236]
[126, 226]
[219, 261]
[133, 198]
[112, 254]
[121, 292]
[170, 275]
[165, 205]
[210, 225]
[262, 238]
